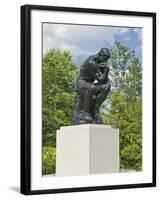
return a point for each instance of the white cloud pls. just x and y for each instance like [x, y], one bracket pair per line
[139, 33]
[79, 39]
[122, 31]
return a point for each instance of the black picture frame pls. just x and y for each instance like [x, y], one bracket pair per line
[25, 187]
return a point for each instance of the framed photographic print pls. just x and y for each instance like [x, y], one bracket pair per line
[88, 99]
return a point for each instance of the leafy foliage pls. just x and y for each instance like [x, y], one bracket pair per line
[49, 160]
[125, 109]
[58, 75]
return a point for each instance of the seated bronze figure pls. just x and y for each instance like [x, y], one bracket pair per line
[92, 88]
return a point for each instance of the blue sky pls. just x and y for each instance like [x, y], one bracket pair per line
[83, 40]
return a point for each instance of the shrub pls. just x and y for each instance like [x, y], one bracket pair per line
[48, 160]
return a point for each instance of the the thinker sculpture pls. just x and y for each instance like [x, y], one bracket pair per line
[92, 88]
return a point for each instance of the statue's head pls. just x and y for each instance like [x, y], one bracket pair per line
[104, 54]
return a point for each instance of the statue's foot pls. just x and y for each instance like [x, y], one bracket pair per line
[87, 117]
[83, 117]
[98, 121]
[97, 117]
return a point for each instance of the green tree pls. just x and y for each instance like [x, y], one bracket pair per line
[126, 72]
[58, 75]
[49, 160]
[125, 108]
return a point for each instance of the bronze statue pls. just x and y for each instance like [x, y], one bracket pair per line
[92, 88]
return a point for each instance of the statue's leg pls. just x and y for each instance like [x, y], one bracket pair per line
[100, 98]
[103, 95]
[83, 102]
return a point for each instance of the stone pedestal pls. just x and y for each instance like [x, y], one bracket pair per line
[87, 149]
